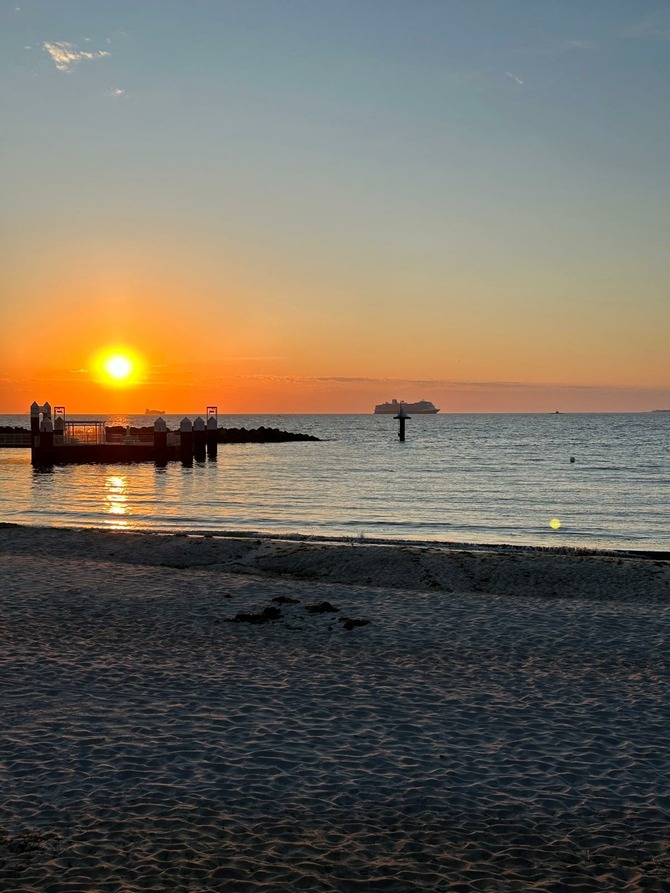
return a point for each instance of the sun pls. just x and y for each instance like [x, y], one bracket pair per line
[118, 366]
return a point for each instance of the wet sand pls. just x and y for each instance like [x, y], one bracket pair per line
[499, 724]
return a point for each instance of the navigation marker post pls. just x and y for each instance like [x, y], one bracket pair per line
[402, 417]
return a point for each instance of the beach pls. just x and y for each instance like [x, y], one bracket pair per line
[245, 713]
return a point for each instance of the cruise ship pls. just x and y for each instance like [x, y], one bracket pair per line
[422, 407]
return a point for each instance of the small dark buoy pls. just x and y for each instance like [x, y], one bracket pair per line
[572, 458]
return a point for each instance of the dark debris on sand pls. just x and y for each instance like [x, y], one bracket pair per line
[267, 614]
[321, 608]
[350, 623]
[270, 613]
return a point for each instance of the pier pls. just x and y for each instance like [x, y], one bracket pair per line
[55, 440]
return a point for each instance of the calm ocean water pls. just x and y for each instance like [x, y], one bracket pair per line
[462, 478]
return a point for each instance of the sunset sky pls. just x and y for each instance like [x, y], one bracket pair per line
[318, 205]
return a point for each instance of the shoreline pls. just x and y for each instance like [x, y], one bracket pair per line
[435, 566]
[487, 720]
[358, 539]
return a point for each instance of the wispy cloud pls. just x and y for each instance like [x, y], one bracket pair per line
[581, 44]
[67, 56]
[650, 26]
[516, 80]
[433, 384]
[548, 45]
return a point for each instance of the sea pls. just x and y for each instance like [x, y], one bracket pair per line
[572, 480]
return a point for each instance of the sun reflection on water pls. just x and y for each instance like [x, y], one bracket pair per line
[116, 501]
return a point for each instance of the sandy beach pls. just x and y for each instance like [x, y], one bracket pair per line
[254, 714]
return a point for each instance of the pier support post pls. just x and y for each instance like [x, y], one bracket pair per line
[160, 442]
[212, 435]
[35, 410]
[402, 418]
[36, 440]
[46, 449]
[186, 441]
[59, 431]
[34, 431]
[199, 440]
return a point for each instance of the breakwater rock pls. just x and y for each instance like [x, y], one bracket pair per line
[224, 435]
[260, 435]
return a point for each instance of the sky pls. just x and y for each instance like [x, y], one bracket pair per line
[319, 205]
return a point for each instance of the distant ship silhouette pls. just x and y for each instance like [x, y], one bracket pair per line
[154, 411]
[424, 407]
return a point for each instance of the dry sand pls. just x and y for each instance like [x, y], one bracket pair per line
[500, 724]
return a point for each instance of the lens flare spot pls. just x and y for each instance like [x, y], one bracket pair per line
[554, 523]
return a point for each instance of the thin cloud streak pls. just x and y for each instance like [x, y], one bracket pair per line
[547, 45]
[581, 44]
[650, 26]
[516, 80]
[431, 383]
